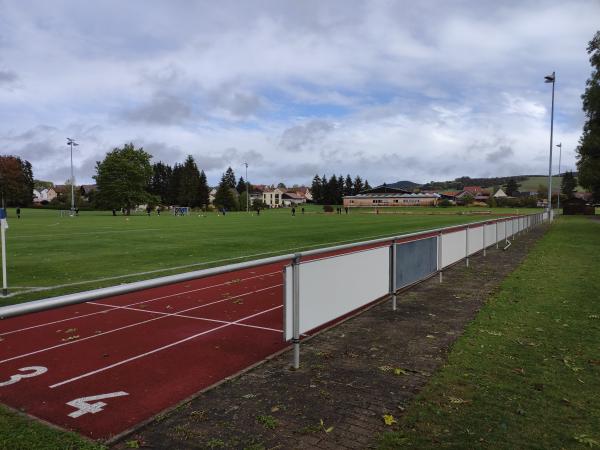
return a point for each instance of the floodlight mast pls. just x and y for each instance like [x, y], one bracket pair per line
[71, 143]
[559, 145]
[247, 194]
[550, 79]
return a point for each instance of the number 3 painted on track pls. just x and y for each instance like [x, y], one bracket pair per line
[35, 371]
[83, 407]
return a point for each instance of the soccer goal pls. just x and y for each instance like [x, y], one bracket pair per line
[181, 211]
[65, 213]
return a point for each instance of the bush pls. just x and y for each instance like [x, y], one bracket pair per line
[327, 208]
[445, 203]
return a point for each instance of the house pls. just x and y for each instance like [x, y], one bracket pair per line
[384, 196]
[211, 195]
[449, 195]
[500, 194]
[302, 191]
[292, 199]
[473, 190]
[273, 197]
[44, 195]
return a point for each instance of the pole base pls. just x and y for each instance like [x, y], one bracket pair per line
[4, 292]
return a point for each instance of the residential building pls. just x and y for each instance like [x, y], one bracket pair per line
[384, 196]
[44, 195]
[292, 199]
[273, 197]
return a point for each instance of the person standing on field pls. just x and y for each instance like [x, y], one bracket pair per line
[293, 211]
[18, 213]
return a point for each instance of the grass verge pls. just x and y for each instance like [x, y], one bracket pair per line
[18, 432]
[526, 372]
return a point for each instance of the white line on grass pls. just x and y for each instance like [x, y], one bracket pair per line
[156, 350]
[35, 352]
[93, 233]
[188, 266]
[104, 311]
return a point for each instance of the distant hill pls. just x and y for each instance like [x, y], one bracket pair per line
[406, 185]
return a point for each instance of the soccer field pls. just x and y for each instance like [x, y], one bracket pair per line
[49, 255]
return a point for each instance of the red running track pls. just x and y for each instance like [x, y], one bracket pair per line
[138, 354]
[103, 367]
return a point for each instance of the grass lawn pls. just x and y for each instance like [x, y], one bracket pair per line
[97, 249]
[526, 373]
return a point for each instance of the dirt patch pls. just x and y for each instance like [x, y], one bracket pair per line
[350, 376]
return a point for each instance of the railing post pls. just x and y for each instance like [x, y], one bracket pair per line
[393, 280]
[484, 249]
[467, 246]
[505, 232]
[496, 223]
[296, 309]
[440, 255]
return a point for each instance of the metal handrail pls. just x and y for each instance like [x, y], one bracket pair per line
[95, 294]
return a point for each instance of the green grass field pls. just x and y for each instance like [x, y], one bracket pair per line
[526, 372]
[46, 251]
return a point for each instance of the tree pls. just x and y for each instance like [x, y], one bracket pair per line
[16, 181]
[230, 178]
[281, 186]
[174, 184]
[241, 186]
[511, 187]
[568, 185]
[367, 186]
[204, 190]
[317, 190]
[189, 185]
[358, 185]
[224, 197]
[589, 143]
[123, 177]
[161, 177]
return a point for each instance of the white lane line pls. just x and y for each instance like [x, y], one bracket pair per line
[188, 266]
[93, 233]
[156, 350]
[104, 311]
[130, 326]
[189, 317]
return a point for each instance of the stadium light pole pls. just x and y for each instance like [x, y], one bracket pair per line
[550, 79]
[71, 143]
[559, 145]
[247, 194]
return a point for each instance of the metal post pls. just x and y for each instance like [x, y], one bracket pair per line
[467, 246]
[440, 255]
[296, 309]
[71, 143]
[484, 249]
[505, 232]
[247, 194]
[4, 278]
[559, 145]
[496, 223]
[551, 79]
[393, 280]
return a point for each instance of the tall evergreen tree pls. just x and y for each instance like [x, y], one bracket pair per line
[316, 190]
[159, 184]
[511, 187]
[589, 143]
[204, 190]
[358, 185]
[348, 186]
[568, 185]
[241, 186]
[230, 178]
[331, 191]
[339, 192]
[189, 185]
[367, 186]
[174, 184]
[224, 197]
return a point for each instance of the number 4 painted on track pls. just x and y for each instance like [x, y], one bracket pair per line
[83, 407]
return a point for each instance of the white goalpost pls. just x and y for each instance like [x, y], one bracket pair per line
[181, 211]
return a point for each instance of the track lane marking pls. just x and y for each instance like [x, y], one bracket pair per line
[190, 317]
[104, 311]
[130, 326]
[156, 350]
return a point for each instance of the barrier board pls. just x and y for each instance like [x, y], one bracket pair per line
[501, 230]
[453, 247]
[490, 234]
[332, 287]
[415, 260]
[475, 239]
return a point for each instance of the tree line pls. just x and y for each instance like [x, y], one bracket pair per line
[16, 181]
[330, 191]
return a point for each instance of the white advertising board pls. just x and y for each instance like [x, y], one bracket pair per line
[501, 232]
[475, 239]
[490, 234]
[453, 247]
[332, 287]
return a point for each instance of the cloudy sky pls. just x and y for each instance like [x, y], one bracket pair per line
[391, 90]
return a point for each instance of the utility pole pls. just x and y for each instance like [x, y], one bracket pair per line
[71, 143]
[550, 79]
[247, 193]
[559, 145]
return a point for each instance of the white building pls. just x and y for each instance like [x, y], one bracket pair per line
[273, 198]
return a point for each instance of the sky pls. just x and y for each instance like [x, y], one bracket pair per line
[390, 90]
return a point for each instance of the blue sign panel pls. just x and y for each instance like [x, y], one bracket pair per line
[415, 260]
